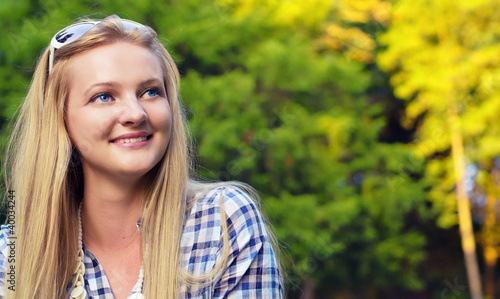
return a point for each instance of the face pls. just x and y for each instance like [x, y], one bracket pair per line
[118, 115]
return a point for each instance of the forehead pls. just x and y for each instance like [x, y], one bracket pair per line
[119, 62]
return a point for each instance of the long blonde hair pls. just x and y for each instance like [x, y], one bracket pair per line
[44, 172]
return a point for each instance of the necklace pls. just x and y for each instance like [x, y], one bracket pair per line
[79, 291]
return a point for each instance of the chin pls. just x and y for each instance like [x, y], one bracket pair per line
[141, 169]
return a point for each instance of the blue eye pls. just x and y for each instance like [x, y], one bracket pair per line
[102, 97]
[153, 92]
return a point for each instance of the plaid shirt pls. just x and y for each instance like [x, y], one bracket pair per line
[251, 270]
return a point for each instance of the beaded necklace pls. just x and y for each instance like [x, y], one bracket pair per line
[79, 291]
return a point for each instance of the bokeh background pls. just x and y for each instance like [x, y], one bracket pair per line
[369, 127]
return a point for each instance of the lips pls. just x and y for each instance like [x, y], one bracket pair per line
[132, 137]
[130, 140]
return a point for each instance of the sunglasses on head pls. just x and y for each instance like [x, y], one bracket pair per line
[73, 32]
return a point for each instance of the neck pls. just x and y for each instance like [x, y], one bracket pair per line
[109, 213]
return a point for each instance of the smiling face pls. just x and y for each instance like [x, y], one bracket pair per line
[118, 115]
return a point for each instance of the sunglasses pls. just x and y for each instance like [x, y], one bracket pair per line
[73, 32]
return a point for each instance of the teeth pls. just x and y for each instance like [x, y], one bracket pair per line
[130, 140]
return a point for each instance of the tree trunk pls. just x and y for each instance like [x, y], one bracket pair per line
[490, 235]
[490, 258]
[309, 287]
[464, 214]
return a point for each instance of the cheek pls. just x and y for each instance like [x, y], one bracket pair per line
[161, 119]
[85, 129]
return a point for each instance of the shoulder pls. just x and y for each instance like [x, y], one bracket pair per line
[225, 227]
[228, 211]
[215, 208]
[230, 196]
[212, 208]
[232, 201]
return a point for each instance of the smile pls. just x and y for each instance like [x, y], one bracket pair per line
[130, 140]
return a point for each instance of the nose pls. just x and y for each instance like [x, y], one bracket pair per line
[132, 114]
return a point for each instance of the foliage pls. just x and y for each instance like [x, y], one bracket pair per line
[450, 60]
[273, 108]
[448, 70]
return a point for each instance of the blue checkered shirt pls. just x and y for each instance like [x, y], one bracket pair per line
[251, 270]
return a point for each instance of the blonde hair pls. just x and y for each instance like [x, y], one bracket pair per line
[47, 180]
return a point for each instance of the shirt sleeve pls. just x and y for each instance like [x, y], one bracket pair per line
[4, 234]
[252, 270]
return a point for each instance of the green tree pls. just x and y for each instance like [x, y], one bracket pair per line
[274, 107]
[443, 55]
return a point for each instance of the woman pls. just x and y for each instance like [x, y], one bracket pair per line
[104, 206]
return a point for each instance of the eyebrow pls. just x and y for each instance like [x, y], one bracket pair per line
[152, 80]
[116, 84]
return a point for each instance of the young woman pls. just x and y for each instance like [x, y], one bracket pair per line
[102, 203]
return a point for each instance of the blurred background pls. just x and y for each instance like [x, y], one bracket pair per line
[369, 127]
